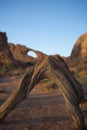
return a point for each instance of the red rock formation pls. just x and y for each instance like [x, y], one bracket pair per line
[6, 56]
[80, 48]
[20, 53]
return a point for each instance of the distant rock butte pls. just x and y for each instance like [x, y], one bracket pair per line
[80, 48]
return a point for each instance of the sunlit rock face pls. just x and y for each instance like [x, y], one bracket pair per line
[80, 48]
[20, 52]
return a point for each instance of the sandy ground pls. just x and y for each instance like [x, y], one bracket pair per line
[42, 110]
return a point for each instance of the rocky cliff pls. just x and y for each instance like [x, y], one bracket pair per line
[79, 50]
[6, 56]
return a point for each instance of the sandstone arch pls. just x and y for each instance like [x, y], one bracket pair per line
[53, 68]
[32, 54]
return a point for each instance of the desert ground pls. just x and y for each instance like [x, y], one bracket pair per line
[44, 109]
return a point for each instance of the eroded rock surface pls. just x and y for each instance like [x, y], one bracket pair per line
[6, 56]
[20, 52]
[80, 48]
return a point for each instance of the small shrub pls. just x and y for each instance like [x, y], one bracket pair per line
[83, 80]
[51, 86]
[81, 68]
[84, 60]
[5, 69]
[82, 73]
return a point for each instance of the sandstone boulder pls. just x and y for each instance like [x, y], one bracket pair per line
[80, 48]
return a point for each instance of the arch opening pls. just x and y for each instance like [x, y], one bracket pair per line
[32, 54]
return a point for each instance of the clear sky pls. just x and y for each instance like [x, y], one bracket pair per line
[51, 26]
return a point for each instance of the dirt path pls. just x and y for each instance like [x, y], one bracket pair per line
[42, 110]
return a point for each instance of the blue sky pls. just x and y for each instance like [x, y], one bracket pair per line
[51, 26]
